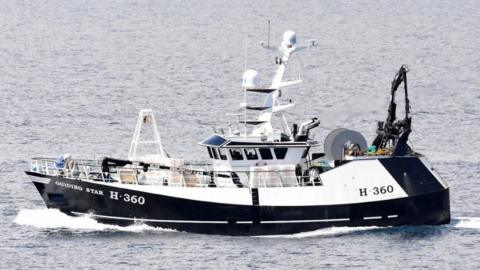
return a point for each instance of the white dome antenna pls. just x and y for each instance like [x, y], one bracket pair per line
[250, 78]
[289, 39]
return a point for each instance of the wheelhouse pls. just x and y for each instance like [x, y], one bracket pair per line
[234, 153]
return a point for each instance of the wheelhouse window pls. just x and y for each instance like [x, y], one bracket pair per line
[222, 153]
[251, 154]
[215, 153]
[210, 152]
[305, 152]
[236, 154]
[265, 153]
[280, 153]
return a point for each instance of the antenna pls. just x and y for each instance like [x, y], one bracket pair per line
[262, 42]
[245, 53]
[245, 111]
[245, 88]
[249, 81]
[268, 35]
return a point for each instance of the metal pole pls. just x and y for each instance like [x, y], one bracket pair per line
[245, 92]
[268, 38]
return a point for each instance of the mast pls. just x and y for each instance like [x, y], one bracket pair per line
[262, 124]
[272, 103]
[245, 91]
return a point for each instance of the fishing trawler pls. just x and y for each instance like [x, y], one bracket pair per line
[260, 179]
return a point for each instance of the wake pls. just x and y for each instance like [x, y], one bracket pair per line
[456, 223]
[54, 219]
[325, 232]
[466, 223]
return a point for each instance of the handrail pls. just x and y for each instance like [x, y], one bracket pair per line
[185, 167]
[83, 169]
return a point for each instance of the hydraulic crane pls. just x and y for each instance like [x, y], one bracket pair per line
[394, 133]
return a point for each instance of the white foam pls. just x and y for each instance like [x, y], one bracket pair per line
[54, 219]
[326, 232]
[466, 222]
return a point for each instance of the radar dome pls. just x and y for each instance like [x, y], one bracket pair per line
[289, 38]
[250, 79]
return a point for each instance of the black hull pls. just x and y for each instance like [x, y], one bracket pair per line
[215, 218]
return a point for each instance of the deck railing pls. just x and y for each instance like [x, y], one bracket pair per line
[186, 175]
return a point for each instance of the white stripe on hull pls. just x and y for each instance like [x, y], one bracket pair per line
[153, 220]
[304, 221]
[372, 218]
[208, 221]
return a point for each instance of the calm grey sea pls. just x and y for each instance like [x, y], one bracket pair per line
[74, 74]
